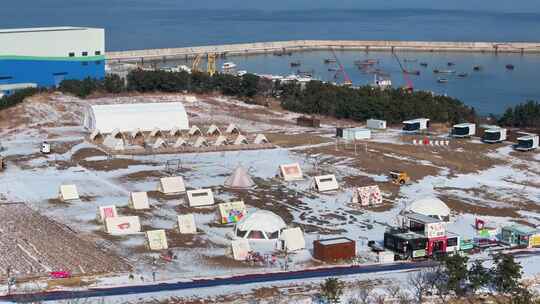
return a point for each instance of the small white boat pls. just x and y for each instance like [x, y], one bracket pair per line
[228, 66]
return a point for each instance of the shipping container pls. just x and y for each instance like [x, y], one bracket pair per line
[376, 124]
[334, 249]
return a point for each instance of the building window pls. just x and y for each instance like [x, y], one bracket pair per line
[71, 54]
[98, 53]
[85, 53]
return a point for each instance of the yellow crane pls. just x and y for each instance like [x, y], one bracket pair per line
[196, 62]
[210, 65]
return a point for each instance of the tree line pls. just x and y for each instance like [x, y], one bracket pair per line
[17, 97]
[526, 114]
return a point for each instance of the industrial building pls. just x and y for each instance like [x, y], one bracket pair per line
[47, 56]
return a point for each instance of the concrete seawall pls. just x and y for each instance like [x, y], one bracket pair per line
[309, 45]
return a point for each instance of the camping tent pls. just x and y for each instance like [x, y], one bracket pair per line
[200, 197]
[116, 133]
[156, 239]
[114, 143]
[159, 143]
[171, 185]
[325, 183]
[200, 142]
[241, 140]
[180, 143]
[240, 249]
[292, 239]
[240, 179]
[137, 133]
[128, 117]
[221, 140]
[430, 206]
[138, 201]
[231, 212]
[213, 130]
[260, 225]
[95, 135]
[122, 225]
[175, 132]
[106, 212]
[261, 139]
[367, 196]
[68, 193]
[186, 224]
[232, 129]
[194, 131]
[156, 132]
[291, 172]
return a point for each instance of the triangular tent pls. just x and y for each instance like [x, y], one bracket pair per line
[291, 172]
[180, 142]
[156, 239]
[293, 239]
[221, 141]
[241, 140]
[261, 139]
[123, 225]
[95, 135]
[194, 131]
[240, 179]
[232, 129]
[240, 249]
[231, 212]
[171, 185]
[200, 197]
[159, 143]
[175, 132]
[138, 201]
[200, 142]
[137, 134]
[367, 196]
[117, 134]
[68, 193]
[186, 224]
[325, 183]
[156, 132]
[114, 143]
[106, 212]
[213, 130]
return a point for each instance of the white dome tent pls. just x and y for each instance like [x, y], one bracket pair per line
[260, 225]
[430, 206]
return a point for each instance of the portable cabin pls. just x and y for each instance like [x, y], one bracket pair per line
[429, 226]
[138, 201]
[171, 185]
[68, 193]
[416, 125]
[200, 197]
[123, 225]
[527, 143]
[464, 130]
[334, 249]
[186, 224]
[106, 212]
[292, 239]
[376, 124]
[325, 183]
[517, 235]
[156, 240]
[405, 244]
[494, 135]
[353, 133]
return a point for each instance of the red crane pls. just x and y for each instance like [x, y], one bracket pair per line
[341, 70]
[409, 87]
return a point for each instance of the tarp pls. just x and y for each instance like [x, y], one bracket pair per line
[367, 196]
[123, 225]
[129, 117]
[240, 249]
[106, 212]
[241, 140]
[293, 239]
[200, 142]
[157, 239]
[186, 224]
[194, 131]
[213, 130]
[68, 193]
[171, 185]
[231, 212]
[114, 143]
[232, 129]
[138, 200]
[240, 179]
[325, 183]
[291, 172]
[200, 197]
[261, 139]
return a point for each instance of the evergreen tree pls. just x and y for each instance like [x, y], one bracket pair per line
[506, 274]
[332, 290]
[455, 268]
[478, 276]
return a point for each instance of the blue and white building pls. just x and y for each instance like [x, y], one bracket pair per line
[46, 56]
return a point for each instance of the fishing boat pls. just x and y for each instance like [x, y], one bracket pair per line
[509, 66]
[329, 60]
[423, 64]
[450, 63]
[442, 80]
[477, 68]
[295, 63]
[437, 71]
[228, 65]
[412, 72]
[462, 75]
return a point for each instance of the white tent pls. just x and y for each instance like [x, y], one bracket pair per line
[171, 185]
[194, 131]
[200, 142]
[261, 139]
[95, 135]
[241, 140]
[221, 141]
[138, 200]
[116, 133]
[128, 117]
[186, 224]
[156, 239]
[291, 172]
[156, 132]
[240, 249]
[292, 239]
[137, 133]
[367, 196]
[213, 130]
[231, 212]
[68, 193]
[240, 179]
[200, 197]
[232, 129]
[180, 142]
[106, 212]
[260, 225]
[123, 225]
[114, 143]
[325, 183]
[159, 143]
[175, 132]
[430, 206]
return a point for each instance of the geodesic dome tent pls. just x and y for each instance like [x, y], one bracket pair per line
[260, 225]
[430, 206]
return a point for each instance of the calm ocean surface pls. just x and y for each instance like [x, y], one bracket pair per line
[138, 24]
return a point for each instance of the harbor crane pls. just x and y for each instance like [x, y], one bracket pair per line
[409, 85]
[341, 70]
[210, 63]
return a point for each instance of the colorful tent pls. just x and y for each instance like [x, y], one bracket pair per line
[231, 212]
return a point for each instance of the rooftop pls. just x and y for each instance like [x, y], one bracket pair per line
[422, 218]
[415, 120]
[43, 29]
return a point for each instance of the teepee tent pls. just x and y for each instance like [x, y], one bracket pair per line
[171, 185]
[200, 142]
[114, 143]
[221, 141]
[186, 224]
[325, 183]
[156, 239]
[194, 131]
[213, 130]
[241, 140]
[106, 212]
[138, 201]
[68, 193]
[292, 239]
[291, 172]
[240, 179]
[261, 139]
[180, 142]
[200, 197]
[232, 129]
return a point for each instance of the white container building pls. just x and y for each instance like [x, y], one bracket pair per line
[464, 130]
[416, 125]
[527, 142]
[494, 135]
[376, 124]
